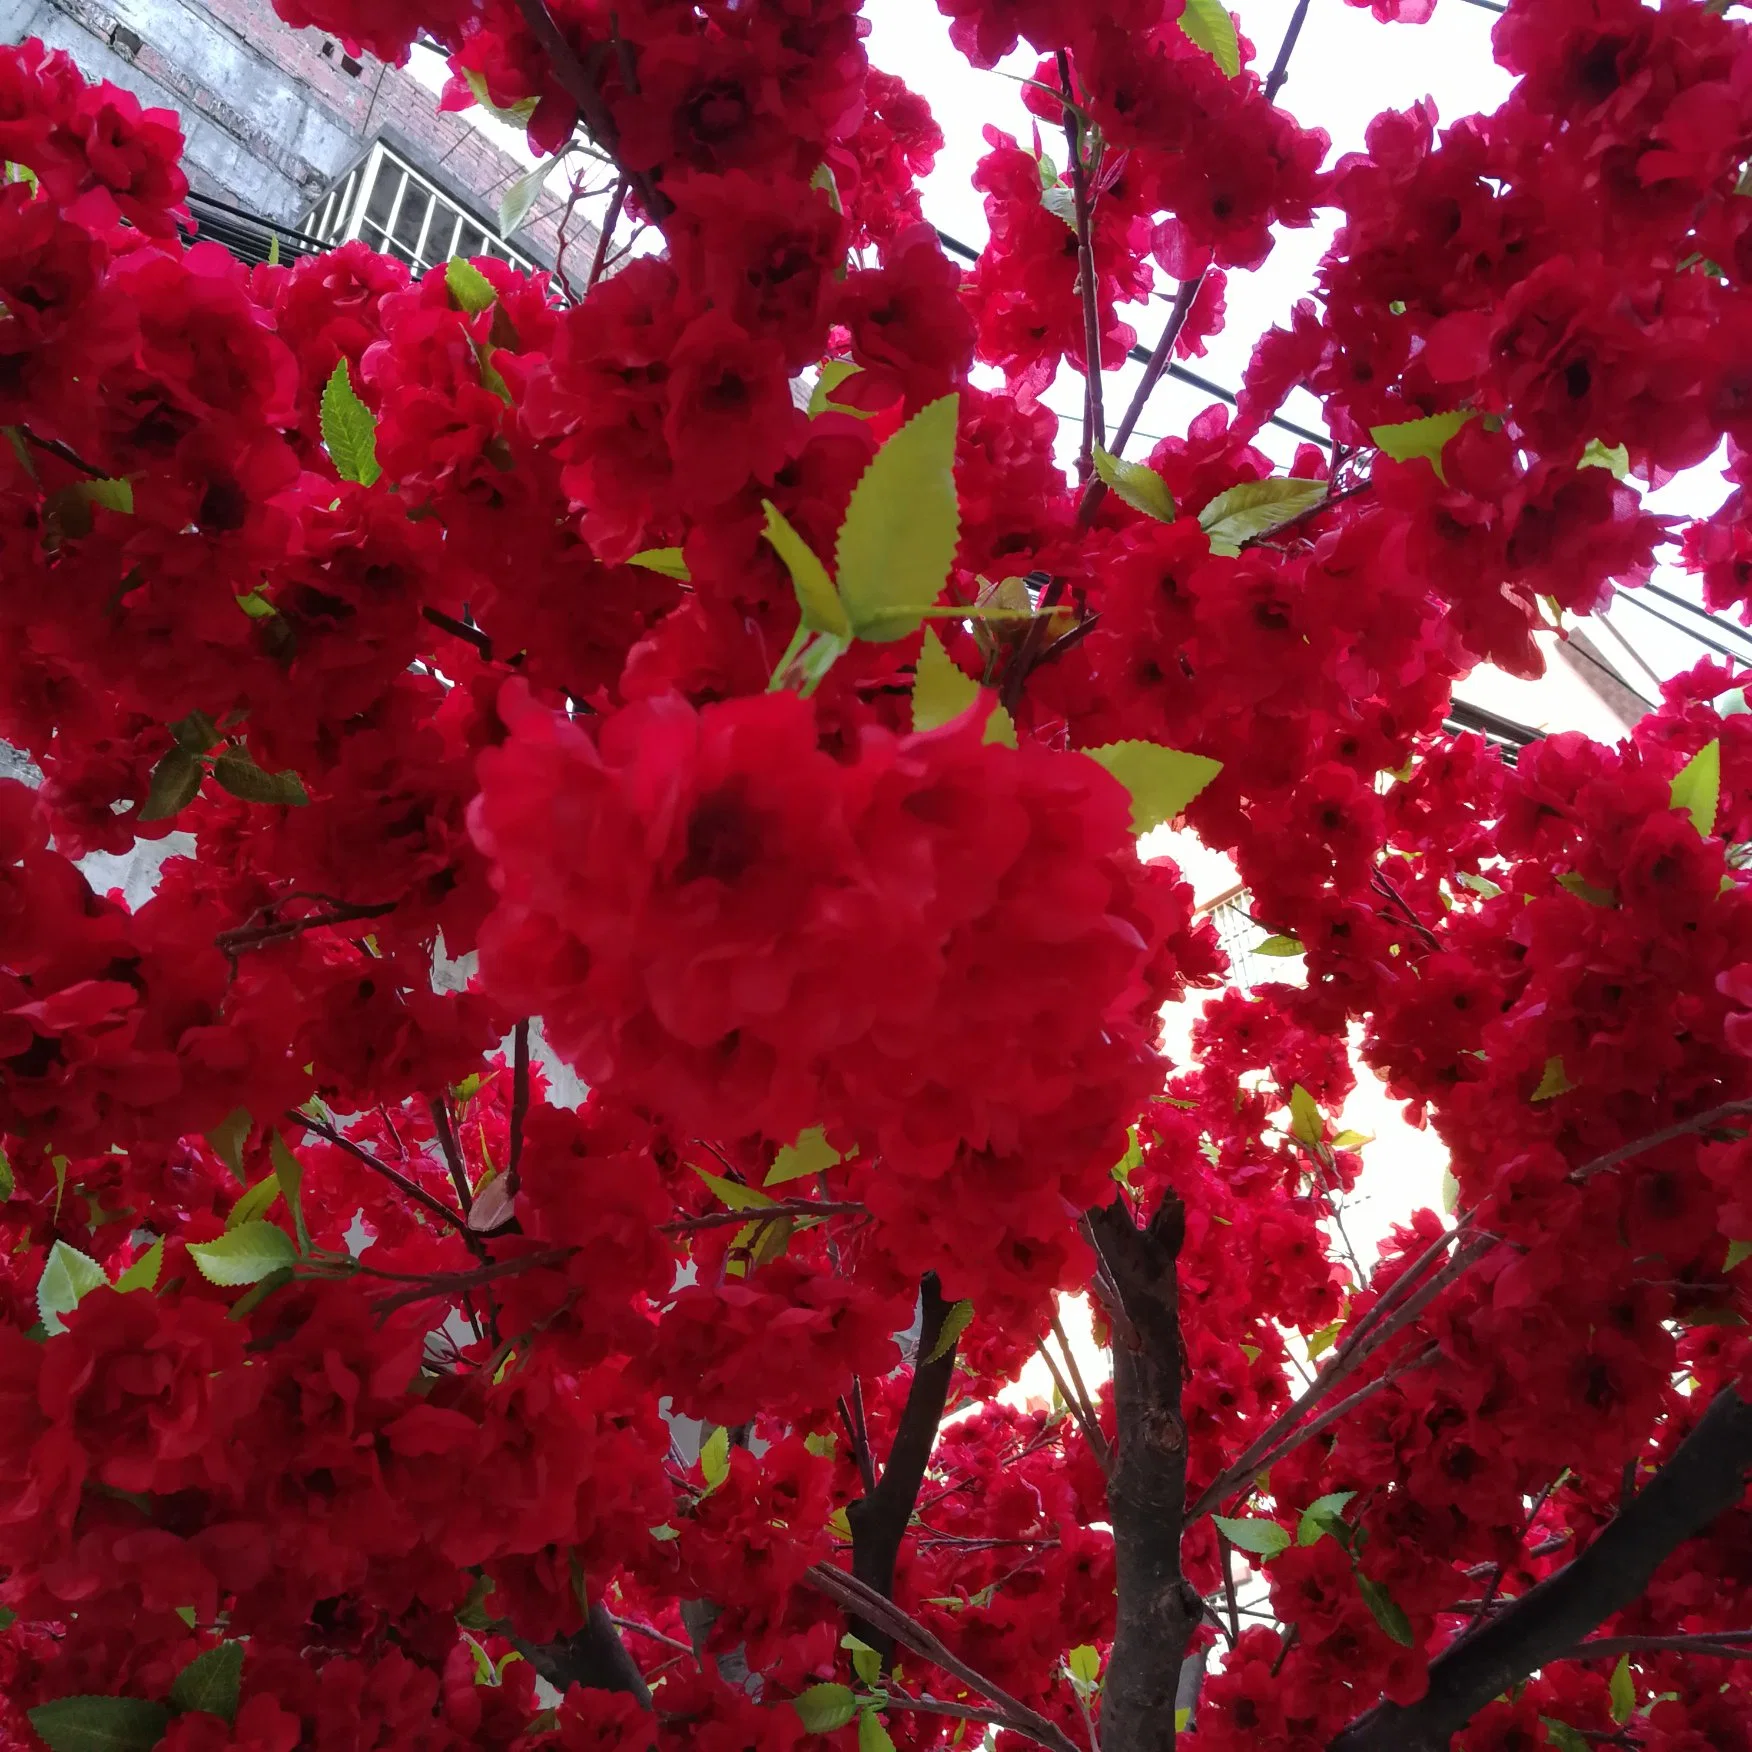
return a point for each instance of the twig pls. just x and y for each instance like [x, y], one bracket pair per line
[519, 1102]
[860, 1442]
[1725, 1645]
[1078, 1402]
[449, 1283]
[650, 1631]
[1496, 1580]
[1100, 1442]
[254, 936]
[1668, 1134]
[1095, 426]
[1280, 69]
[612, 219]
[1228, 1554]
[400, 1181]
[452, 1153]
[795, 1207]
[460, 629]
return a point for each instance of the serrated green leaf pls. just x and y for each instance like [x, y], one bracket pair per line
[715, 1458]
[941, 692]
[829, 376]
[663, 1534]
[1061, 202]
[255, 1203]
[1585, 890]
[866, 1663]
[897, 543]
[1609, 456]
[256, 1294]
[1480, 885]
[955, 1322]
[240, 775]
[1738, 1253]
[1209, 25]
[197, 732]
[100, 1724]
[1563, 1737]
[228, 1138]
[1137, 484]
[733, 1193]
[209, 1682]
[244, 1255]
[1621, 1691]
[470, 290]
[349, 431]
[520, 196]
[1323, 1516]
[1255, 508]
[1426, 437]
[1697, 787]
[1306, 1122]
[174, 784]
[1319, 1343]
[1084, 1665]
[289, 1171]
[811, 1154]
[1262, 1538]
[872, 1735]
[1553, 1081]
[112, 493]
[143, 1273]
[824, 1708]
[668, 561]
[1280, 947]
[818, 600]
[1387, 1611]
[1162, 781]
[68, 1277]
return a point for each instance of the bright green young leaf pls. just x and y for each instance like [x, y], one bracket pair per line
[1621, 1691]
[1084, 1666]
[805, 664]
[811, 1154]
[1387, 1611]
[1306, 1123]
[1697, 787]
[143, 1273]
[1553, 1081]
[1480, 885]
[715, 1458]
[955, 1322]
[1282, 947]
[872, 1735]
[244, 1255]
[1585, 890]
[667, 561]
[823, 1708]
[240, 775]
[898, 540]
[1162, 781]
[822, 178]
[175, 781]
[1351, 1140]
[1426, 437]
[517, 116]
[1255, 508]
[823, 612]
[1738, 1253]
[228, 1138]
[1262, 1538]
[1323, 1516]
[1209, 25]
[520, 196]
[68, 1276]
[828, 377]
[1611, 456]
[823, 1445]
[258, 1293]
[866, 1663]
[273, 249]
[941, 692]
[735, 1195]
[1137, 484]
[100, 1724]
[663, 1534]
[209, 1682]
[349, 430]
[1564, 1738]
[470, 290]
[112, 494]
[255, 1203]
[290, 1173]
[8, 1184]
[1450, 1192]
[1060, 200]
[1319, 1343]
[1183, 1719]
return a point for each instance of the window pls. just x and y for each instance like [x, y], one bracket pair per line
[396, 210]
[351, 67]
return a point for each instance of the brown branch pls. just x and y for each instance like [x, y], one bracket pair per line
[1078, 1403]
[1704, 1477]
[519, 1102]
[650, 1631]
[452, 1151]
[252, 936]
[1668, 1134]
[1721, 1645]
[1280, 70]
[450, 1283]
[1095, 425]
[594, 1657]
[402, 1184]
[612, 219]
[460, 629]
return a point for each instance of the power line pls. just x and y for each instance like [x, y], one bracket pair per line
[1636, 597]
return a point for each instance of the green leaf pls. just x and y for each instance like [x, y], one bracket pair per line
[1697, 787]
[348, 429]
[1351, 1140]
[1450, 1192]
[1388, 1613]
[1137, 484]
[1183, 1719]
[715, 1458]
[1255, 508]
[1610, 456]
[228, 1138]
[941, 692]
[1319, 1343]
[517, 116]
[1263, 1538]
[823, 1708]
[872, 1735]
[668, 561]
[805, 665]
[897, 543]
[8, 1184]
[112, 494]
[175, 781]
[822, 178]
[1481, 885]
[209, 1682]
[1084, 1666]
[1283, 947]
[68, 1277]
[101, 1724]
[734, 1194]
[1585, 890]
[273, 249]
[955, 1322]
[1565, 1738]
[197, 732]
[811, 1154]
[866, 1663]
[244, 1255]
[663, 1534]
[823, 1445]
[819, 601]
[828, 377]
[1209, 25]
[1322, 1516]
[1553, 1081]
[470, 290]
[290, 1173]
[255, 1203]
[1621, 1691]
[1738, 1253]
[1426, 437]
[1306, 1122]
[143, 1273]
[521, 195]
[240, 775]
[1060, 200]
[1162, 781]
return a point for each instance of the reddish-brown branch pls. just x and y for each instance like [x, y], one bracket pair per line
[1698, 1122]
[610, 220]
[1095, 425]
[253, 936]
[405, 1186]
